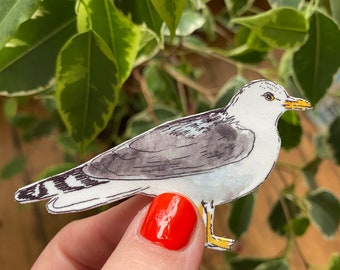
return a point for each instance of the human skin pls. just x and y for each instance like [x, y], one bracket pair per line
[114, 240]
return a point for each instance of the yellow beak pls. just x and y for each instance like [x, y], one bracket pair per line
[297, 104]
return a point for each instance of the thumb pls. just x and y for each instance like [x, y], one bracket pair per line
[169, 234]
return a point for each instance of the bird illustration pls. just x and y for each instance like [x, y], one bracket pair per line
[212, 157]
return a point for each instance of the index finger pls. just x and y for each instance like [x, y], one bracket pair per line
[87, 243]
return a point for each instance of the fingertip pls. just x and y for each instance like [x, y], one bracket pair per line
[170, 221]
[167, 234]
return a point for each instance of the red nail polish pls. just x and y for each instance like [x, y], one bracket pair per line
[169, 221]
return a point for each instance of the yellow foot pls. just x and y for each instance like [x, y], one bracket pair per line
[219, 243]
[214, 242]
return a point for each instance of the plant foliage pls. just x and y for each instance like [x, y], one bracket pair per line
[108, 70]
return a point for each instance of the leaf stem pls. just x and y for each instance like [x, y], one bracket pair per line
[300, 253]
[182, 97]
[211, 52]
[291, 236]
[188, 82]
[148, 98]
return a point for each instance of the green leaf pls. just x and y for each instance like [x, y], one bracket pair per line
[322, 146]
[291, 117]
[286, 67]
[42, 128]
[142, 12]
[290, 130]
[324, 211]
[247, 45]
[170, 11]
[245, 263]
[277, 218]
[31, 126]
[161, 86]
[280, 27]
[246, 55]
[299, 225]
[120, 34]
[334, 263]
[228, 90]
[257, 44]
[87, 86]
[335, 8]
[238, 7]
[10, 109]
[13, 167]
[278, 264]
[209, 27]
[240, 215]
[189, 23]
[24, 120]
[148, 48]
[138, 124]
[334, 139]
[12, 14]
[309, 171]
[284, 3]
[66, 143]
[34, 49]
[316, 62]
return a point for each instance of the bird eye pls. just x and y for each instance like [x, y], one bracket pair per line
[269, 96]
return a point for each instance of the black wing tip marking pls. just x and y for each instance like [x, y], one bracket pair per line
[31, 193]
[49, 187]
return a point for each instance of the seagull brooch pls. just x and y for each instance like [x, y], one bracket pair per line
[212, 158]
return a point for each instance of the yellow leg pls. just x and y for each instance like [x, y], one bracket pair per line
[206, 210]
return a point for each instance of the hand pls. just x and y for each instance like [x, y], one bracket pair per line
[168, 234]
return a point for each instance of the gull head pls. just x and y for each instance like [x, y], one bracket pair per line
[263, 101]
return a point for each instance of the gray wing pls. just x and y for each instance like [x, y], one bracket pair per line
[187, 146]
